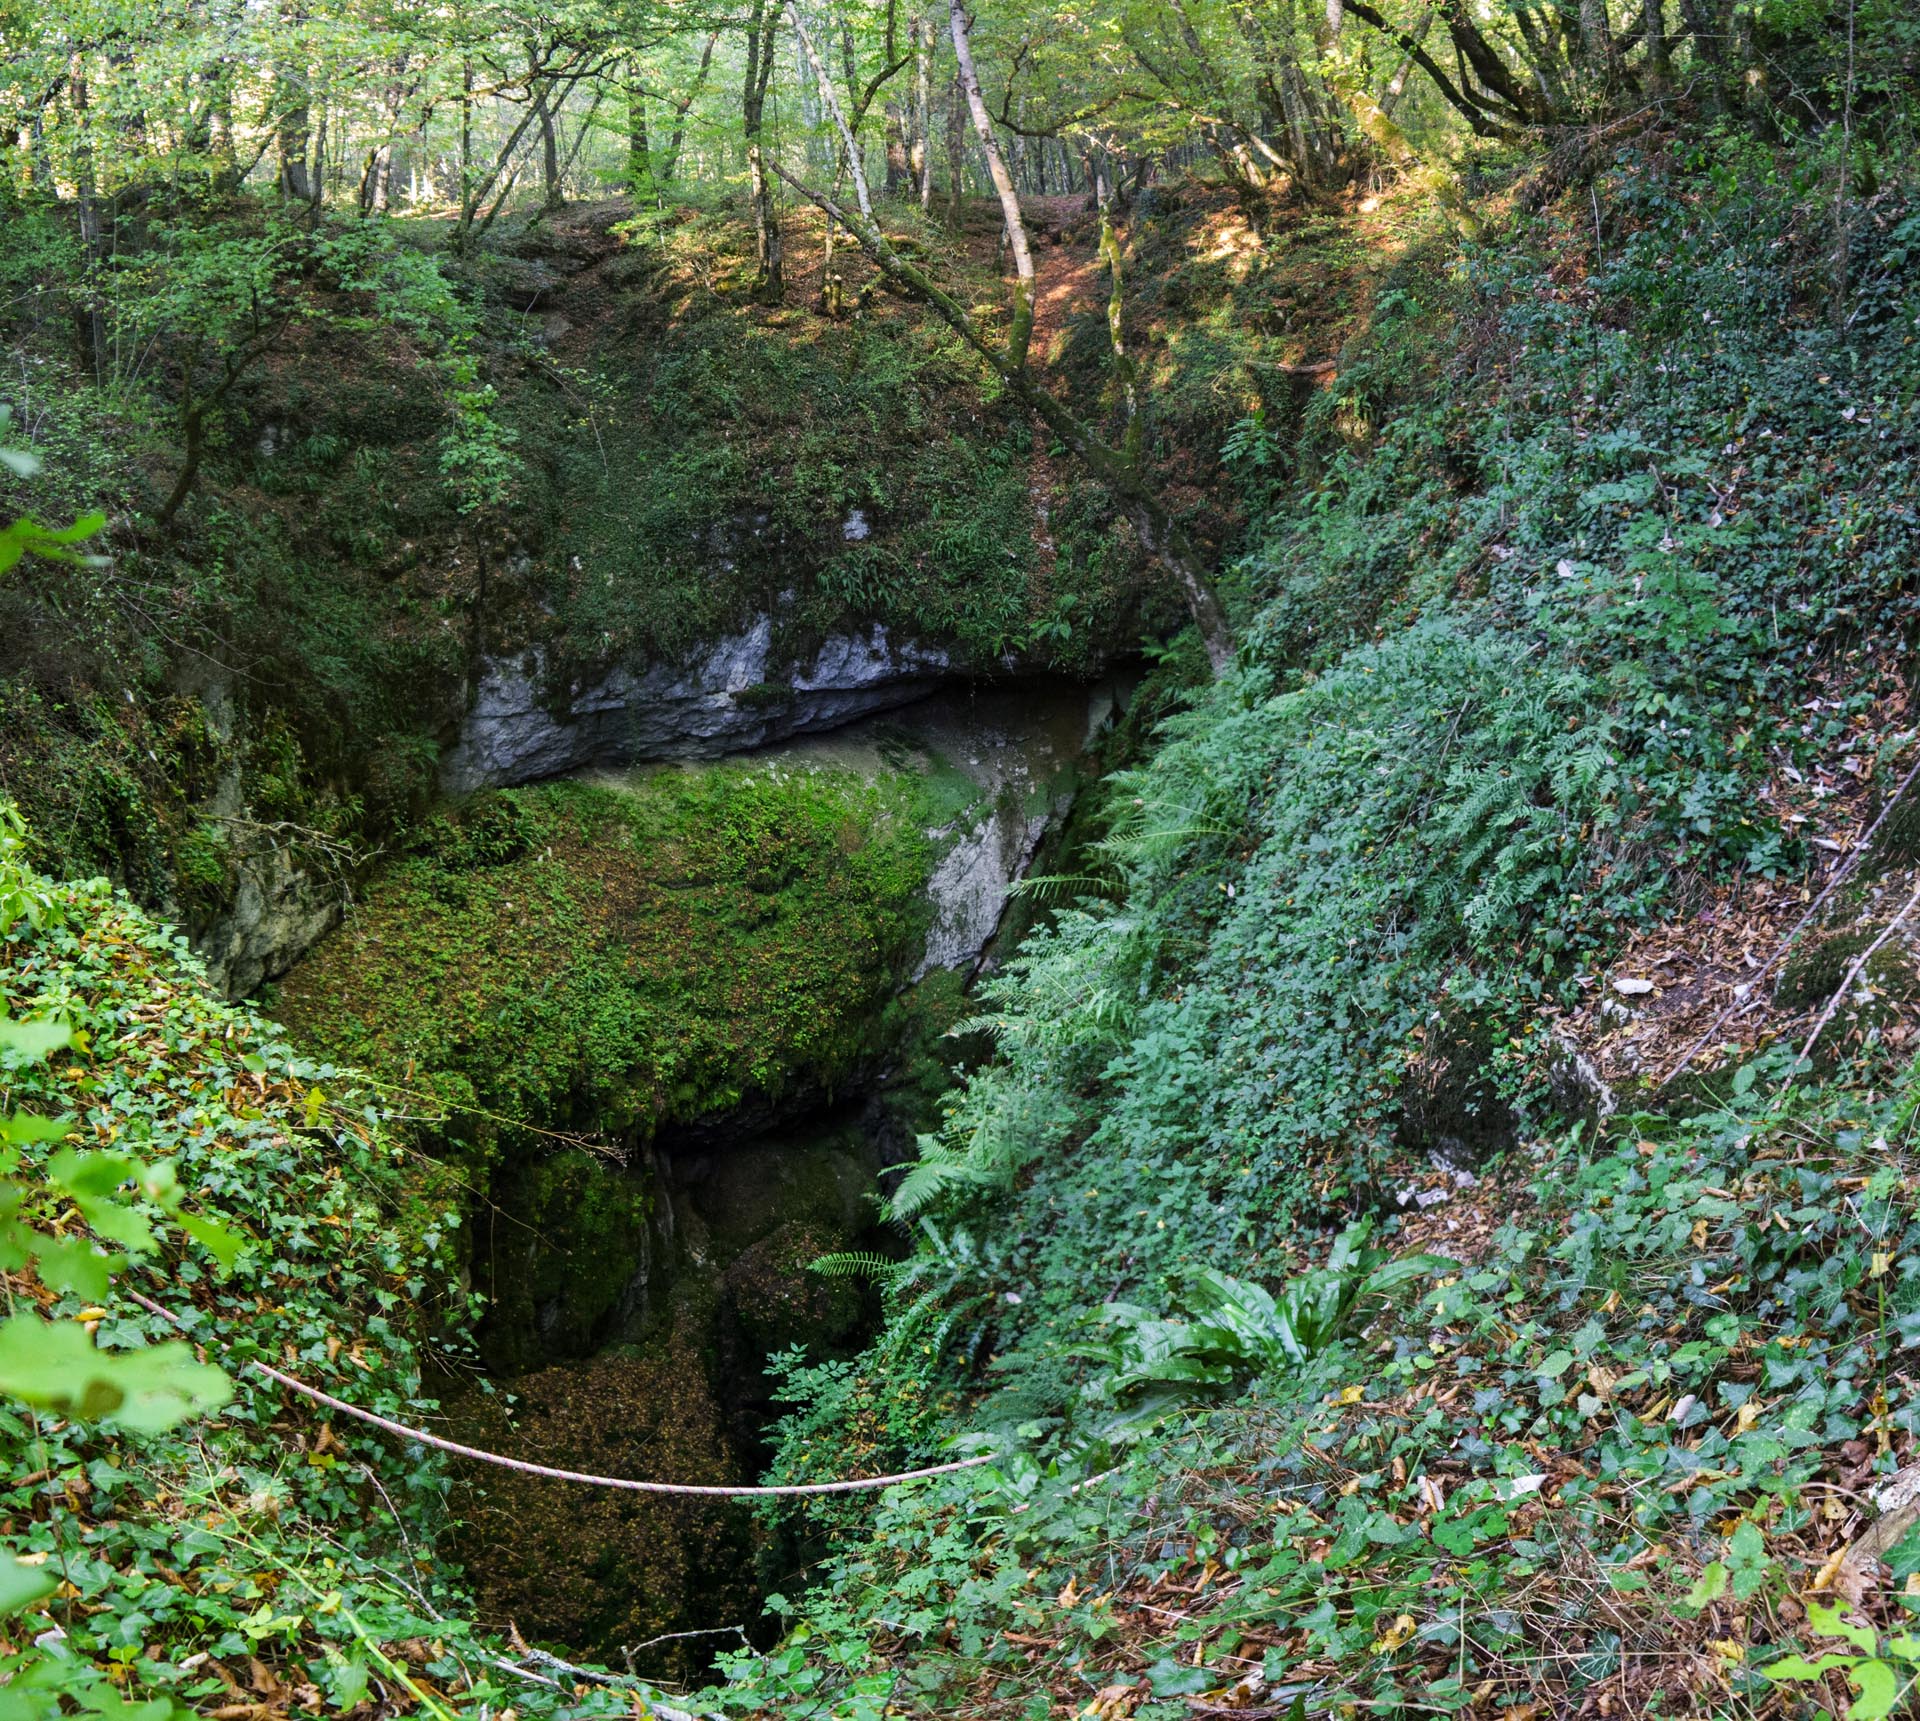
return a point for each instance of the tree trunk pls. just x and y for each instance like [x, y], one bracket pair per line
[93, 322]
[1659, 66]
[1021, 331]
[899, 160]
[1397, 84]
[550, 195]
[956, 151]
[671, 165]
[923, 112]
[291, 100]
[639, 145]
[770, 283]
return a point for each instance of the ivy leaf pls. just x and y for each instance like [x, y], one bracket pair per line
[21, 1586]
[1556, 1364]
[54, 1365]
[1169, 1679]
[34, 1041]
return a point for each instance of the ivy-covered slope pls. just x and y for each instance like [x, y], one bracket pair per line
[1576, 623]
[273, 1556]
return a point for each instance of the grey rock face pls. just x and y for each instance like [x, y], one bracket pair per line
[726, 699]
[279, 911]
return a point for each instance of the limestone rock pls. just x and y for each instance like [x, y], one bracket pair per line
[728, 698]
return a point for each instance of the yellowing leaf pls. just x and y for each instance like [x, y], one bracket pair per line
[1395, 1635]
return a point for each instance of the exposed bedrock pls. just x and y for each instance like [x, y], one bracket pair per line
[728, 698]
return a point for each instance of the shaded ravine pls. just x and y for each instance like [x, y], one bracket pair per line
[636, 1290]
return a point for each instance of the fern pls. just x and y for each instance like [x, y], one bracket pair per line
[854, 1264]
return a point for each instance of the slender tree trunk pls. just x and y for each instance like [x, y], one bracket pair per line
[956, 151]
[317, 178]
[639, 144]
[899, 154]
[923, 112]
[467, 195]
[771, 282]
[1597, 51]
[671, 165]
[550, 194]
[1022, 326]
[292, 102]
[93, 322]
[1397, 84]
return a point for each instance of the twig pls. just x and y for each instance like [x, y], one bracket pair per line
[1854, 970]
[1841, 874]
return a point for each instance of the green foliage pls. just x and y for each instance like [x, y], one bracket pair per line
[1234, 1331]
[188, 1554]
[1881, 1671]
[1568, 1410]
[25, 536]
[620, 958]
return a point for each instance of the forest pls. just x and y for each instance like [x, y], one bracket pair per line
[1048, 860]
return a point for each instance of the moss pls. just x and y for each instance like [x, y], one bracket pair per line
[1815, 973]
[558, 1248]
[1890, 981]
[779, 1301]
[622, 959]
[608, 1571]
[1898, 842]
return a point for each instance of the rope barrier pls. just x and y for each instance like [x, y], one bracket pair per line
[711, 1490]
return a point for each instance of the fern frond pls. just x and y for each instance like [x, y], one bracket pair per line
[854, 1264]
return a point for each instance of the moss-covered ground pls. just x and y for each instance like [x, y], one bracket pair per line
[580, 956]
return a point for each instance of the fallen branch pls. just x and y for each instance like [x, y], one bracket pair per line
[1854, 970]
[1841, 874]
[723, 1491]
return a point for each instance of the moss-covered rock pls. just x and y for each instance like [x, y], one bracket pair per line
[625, 959]
[562, 1252]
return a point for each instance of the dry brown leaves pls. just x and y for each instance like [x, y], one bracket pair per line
[1672, 983]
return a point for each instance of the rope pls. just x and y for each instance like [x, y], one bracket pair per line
[714, 1490]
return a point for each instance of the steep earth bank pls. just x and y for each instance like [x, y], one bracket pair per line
[572, 501]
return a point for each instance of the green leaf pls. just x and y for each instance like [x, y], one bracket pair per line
[54, 1365]
[24, 1129]
[1556, 1364]
[1825, 1618]
[219, 1241]
[74, 1265]
[89, 1174]
[1878, 1687]
[1799, 1667]
[21, 1586]
[1709, 1587]
[33, 1041]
